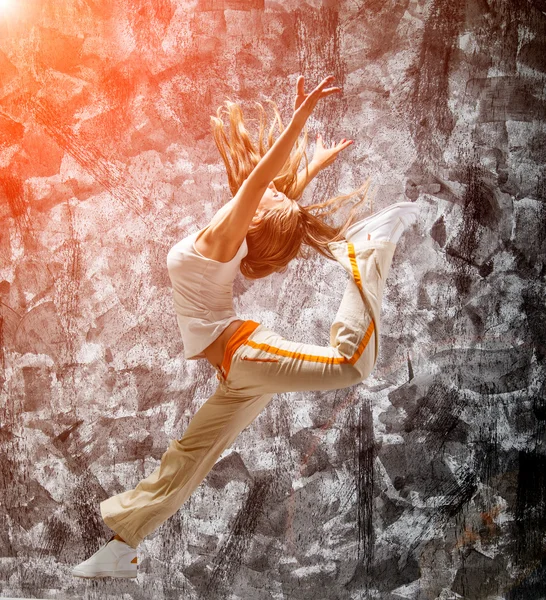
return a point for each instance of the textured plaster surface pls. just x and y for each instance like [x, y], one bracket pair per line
[428, 481]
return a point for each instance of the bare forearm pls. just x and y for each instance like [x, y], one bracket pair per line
[273, 160]
[303, 179]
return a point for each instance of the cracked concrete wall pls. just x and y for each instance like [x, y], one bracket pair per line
[425, 482]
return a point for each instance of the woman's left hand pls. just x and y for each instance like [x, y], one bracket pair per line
[325, 156]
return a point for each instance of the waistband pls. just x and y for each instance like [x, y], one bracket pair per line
[240, 336]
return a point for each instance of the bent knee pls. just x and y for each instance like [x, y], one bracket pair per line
[353, 376]
[362, 371]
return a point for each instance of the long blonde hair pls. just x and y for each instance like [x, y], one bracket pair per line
[281, 232]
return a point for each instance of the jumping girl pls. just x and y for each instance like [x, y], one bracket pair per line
[259, 231]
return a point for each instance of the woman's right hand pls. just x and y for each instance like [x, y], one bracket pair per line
[305, 103]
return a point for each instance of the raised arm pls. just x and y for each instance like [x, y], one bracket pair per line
[304, 177]
[322, 157]
[243, 206]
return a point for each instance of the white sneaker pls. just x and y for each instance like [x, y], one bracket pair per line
[115, 559]
[387, 224]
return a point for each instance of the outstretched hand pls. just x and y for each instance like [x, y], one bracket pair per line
[304, 104]
[325, 156]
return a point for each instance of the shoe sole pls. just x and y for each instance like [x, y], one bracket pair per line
[367, 220]
[130, 574]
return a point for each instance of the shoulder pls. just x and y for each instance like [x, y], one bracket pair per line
[219, 241]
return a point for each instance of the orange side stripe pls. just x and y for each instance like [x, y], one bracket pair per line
[240, 336]
[354, 266]
[363, 343]
[300, 355]
[358, 281]
[313, 357]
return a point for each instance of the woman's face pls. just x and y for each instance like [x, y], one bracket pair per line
[271, 198]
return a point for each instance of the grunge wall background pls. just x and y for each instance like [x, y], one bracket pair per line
[428, 481]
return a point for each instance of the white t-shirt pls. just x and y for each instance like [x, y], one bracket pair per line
[202, 293]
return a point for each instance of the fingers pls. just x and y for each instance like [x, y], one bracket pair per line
[300, 85]
[329, 91]
[307, 102]
[345, 142]
[325, 81]
[340, 145]
[320, 87]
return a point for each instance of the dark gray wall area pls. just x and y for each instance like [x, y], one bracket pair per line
[428, 481]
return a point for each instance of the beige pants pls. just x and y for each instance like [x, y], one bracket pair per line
[259, 363]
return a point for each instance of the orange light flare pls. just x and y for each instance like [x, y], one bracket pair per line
[9, 8]
[14, 15]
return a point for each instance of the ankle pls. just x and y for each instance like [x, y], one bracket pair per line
[118, 537]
